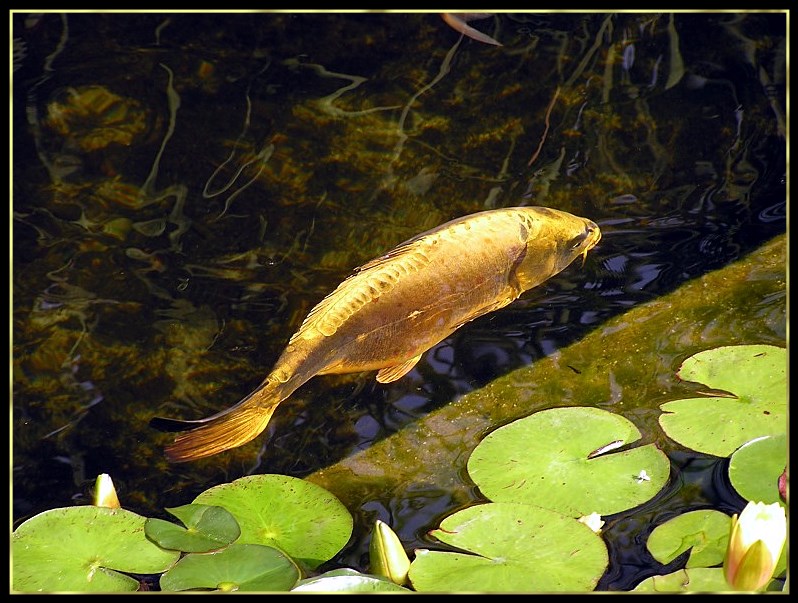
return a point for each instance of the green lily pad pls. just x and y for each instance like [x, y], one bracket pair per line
[207, 528]
[755, 467]
[515, 548]
[706, 532]
[298, 517]
[347, 580]
[756, 375]
[543, 460]
[239, 567]
[697, 579]
[77, 549]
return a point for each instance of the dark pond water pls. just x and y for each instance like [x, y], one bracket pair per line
[187, 186]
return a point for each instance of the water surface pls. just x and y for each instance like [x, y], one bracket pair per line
[187, 186]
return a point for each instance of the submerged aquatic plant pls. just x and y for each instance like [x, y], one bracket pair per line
[93, 118]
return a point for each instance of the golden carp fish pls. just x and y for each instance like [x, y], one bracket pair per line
[397, 306]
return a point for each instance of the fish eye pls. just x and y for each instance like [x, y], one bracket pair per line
[578, 240]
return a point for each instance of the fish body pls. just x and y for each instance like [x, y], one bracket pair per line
[396, 307]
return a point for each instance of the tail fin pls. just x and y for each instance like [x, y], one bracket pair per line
[234, 427]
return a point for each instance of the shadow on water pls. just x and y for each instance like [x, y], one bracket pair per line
[187, 187]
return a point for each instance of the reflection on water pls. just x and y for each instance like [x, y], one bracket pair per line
[187, 187]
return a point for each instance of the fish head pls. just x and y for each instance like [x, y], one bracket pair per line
[554, 239]
[578, 238]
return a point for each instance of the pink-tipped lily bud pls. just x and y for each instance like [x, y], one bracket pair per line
[755, 543]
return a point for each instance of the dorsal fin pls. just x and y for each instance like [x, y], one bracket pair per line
[381, 275]
[366, 284]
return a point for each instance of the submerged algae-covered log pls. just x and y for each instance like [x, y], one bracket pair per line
[627, 365]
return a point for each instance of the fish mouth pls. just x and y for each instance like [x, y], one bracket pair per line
[593, 237]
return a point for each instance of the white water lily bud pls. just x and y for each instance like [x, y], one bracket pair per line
[755, 543]
[105, 493]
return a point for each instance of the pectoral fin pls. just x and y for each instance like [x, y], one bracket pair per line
[392, 373]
